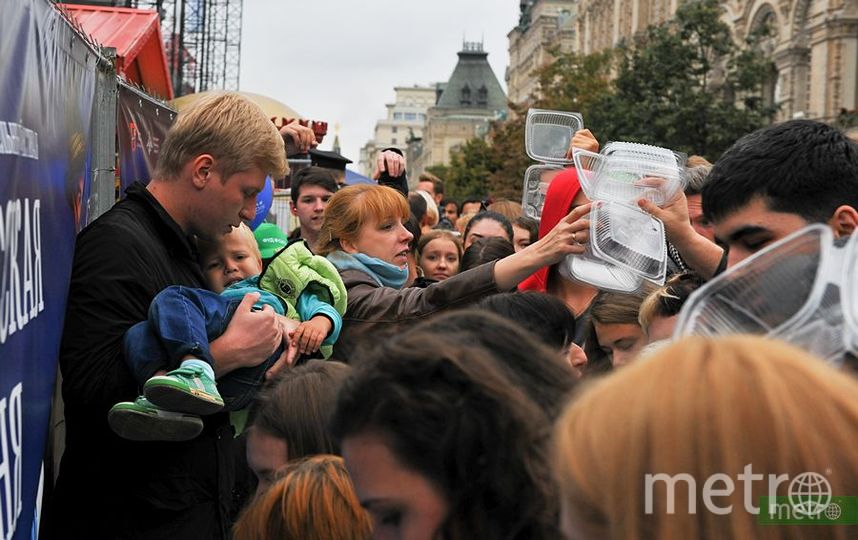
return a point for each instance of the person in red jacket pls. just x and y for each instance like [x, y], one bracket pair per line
[564, 195]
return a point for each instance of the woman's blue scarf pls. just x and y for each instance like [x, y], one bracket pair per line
[384, 273]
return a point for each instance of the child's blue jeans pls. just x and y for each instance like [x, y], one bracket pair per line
[182, 321]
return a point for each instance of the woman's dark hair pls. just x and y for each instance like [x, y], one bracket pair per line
[536, 368]
[295, 406]
[448, 413]
[530, 225]
[494, 216]
[413, 226]
[418, 206]
[484, 250]
[543, 315]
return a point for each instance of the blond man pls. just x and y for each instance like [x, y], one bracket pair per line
[212, 165]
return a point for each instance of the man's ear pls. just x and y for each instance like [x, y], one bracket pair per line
[844, 221]
[201, 170]
[293, 208]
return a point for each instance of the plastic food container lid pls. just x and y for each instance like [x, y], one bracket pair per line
[548, 134]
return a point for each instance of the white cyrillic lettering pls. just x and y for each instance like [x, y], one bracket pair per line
[16, 441]
[4, 320]
[6, 522]
[27, 302]
[15, 315]
[37, 254]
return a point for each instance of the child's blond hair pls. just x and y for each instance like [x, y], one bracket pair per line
[206, 247]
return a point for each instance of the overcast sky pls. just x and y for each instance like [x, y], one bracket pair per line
[338, 60]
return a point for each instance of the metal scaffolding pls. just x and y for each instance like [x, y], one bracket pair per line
[202, 40]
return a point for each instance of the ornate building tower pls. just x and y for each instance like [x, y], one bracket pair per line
[471, 99]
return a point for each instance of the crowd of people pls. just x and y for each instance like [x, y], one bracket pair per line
[408, 366]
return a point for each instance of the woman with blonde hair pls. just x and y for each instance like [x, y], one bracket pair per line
[685, 444]
[312, 499]
[364, 237]
[507, 208]
[660, 310]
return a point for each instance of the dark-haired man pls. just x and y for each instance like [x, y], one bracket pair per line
[766, 186]
[312, 187]
[779, 179]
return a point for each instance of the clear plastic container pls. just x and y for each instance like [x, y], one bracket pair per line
[536, 181]
[647, 152]
[629, 238]
[548, 134]
[850, 293]
[789, 291]
[588, 269]
[627, 176]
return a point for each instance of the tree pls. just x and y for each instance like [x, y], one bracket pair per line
[685, 85]
[469, 170]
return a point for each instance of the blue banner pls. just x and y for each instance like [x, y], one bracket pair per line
[143, 125]
[47, 83]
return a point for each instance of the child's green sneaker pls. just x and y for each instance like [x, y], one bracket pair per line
[140, 420]
[188, 389]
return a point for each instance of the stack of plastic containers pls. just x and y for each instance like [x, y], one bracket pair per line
[627, 246]
[800, 290]
[547, 137]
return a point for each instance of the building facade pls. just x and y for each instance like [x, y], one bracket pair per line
[814, 46]
[465, 106]
[406, 118]
[543, 25]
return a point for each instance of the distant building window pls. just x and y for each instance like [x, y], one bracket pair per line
[393, 140]
[397, 116]
[393, 129]
[410, 116]
[421, 117]
[466, 95]
[482, 95]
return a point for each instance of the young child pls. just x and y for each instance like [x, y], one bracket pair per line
[182, 321]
